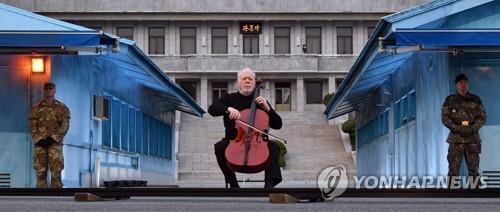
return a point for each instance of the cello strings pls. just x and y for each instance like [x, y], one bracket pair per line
[260, 131]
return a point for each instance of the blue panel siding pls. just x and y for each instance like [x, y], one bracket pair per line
[115, 123]
[124, 126]
[431, 91]
[157, 140]
[139, 130]
[122, 136]
[145, 135]
[14, 79]
[132, 130]
[162, 141]
[15, 145]
[152, 136]
[411, 145]
[481, 17]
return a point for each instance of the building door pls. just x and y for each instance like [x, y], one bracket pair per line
[283, 96]
[15, 142]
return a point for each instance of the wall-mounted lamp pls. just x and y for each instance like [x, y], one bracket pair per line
[37, 65]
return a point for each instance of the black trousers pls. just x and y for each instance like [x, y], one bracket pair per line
[272, 176]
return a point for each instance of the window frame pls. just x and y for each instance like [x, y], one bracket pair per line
[160, 37]
[342, 39]
[182, 37]
[288, 37]
[223, 37]
[251, 38]
[309, 37]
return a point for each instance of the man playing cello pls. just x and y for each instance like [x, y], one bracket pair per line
[230, 106]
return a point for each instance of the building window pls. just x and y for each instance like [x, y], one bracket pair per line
[129, 129]
[156, 40]
[370, 31]
[412, 111]
[188, 40]
[313, 40]
[282, 40]
[344, 40]
[125, 32]
[106, 128]
[219, 89]
[190, 88]
[219, 40]
[314, 92]
[338, 81]
[250, 44]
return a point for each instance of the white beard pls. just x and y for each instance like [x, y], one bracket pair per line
[246, 92]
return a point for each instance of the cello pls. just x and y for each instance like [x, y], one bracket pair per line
[248, 152]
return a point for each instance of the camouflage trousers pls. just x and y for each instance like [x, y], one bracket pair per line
[45, 158]
[456, 151]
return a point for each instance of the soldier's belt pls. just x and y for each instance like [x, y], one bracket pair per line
[464, 122]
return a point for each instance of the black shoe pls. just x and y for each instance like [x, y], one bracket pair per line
[272, 183]
[234, 185]
[268, 184]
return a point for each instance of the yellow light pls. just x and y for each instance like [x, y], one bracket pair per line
[37, 65]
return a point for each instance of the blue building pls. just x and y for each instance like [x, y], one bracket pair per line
[402, 77]
[135, 141]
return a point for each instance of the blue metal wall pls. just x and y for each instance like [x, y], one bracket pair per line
[414, 143]
[78, 78]
[14, 108]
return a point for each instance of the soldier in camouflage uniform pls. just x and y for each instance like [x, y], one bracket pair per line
[49, 122]
[463, 113]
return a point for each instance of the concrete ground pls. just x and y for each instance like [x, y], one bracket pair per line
[185, 204]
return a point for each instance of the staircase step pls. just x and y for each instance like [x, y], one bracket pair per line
[313, 145]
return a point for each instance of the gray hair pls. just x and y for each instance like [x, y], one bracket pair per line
[246, 70]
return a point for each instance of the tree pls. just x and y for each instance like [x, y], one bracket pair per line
[327, 98]
[349, 127]
[283, 151]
